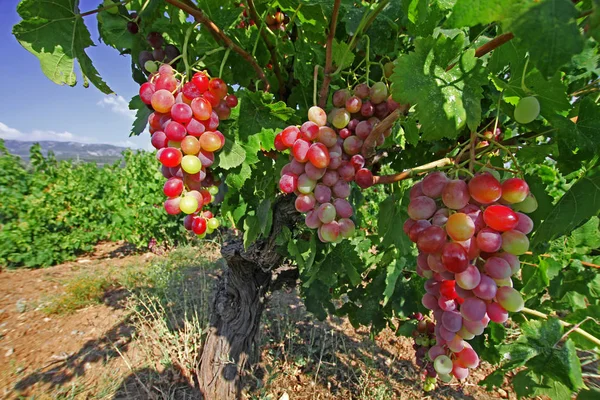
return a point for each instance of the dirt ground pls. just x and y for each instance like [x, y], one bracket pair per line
[96, 353]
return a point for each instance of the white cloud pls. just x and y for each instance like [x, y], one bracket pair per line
[6, 132]
[118, 105]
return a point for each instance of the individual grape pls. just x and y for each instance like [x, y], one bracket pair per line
[326, 212]
[309, 131]
[188, 204]
[468, 358]
[312, 219]
[181, 113]
[500, 218]
[446, 304]
[330, 231]
[352, 145]
[527, 110]
[288, 183]
[417, 228]
[474, 327]
[200, 80]
[305, 202]
[456, 344]
[434, 261]
[455, 194]
[515, 242]
[296, 167]
[363, 129]
[340, 118]
[173, 187]
[159, 140]
[513, 261]
[190, 145]
[430, 302]
[132, 26]
[146, 91]
[454, 257]
[340, 96]
[497, 268]
[416, 190]
[210, 141]
[218, 87]
[159, 54]
[528, 205]
[213, 190]
[431, 240]
[231, 101]
[525, 224]
[345, 133]
[486, 289]
[313, 172]
[488, 240]
[222, 110]
[514, 190]
[460, 227]
[172, 206]
[367, 110]
[347, 227]
[317, 115]
[289, 135]
[485, 189]
[364, 178]
[382, 110]
[497, 313]
[378, 92]
[175, 131]
[318, 155]
[443, 364]
[327, 136]
[166, 82]
[362, 91]
[341, 189]
[300, 150]
[510, 299]
[207, 158]
[199, 225]
[353, 104]
[433, 184]
[171, 52]
[170, 157]
[330, 178]
[201, 108]
[191, 164]
[473, 309]
[469, 279]
[440, 217]
[452, 321]
[305, 184]
[162, 100]
[211, 98]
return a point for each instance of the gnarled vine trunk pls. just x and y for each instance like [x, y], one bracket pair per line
[238, 303]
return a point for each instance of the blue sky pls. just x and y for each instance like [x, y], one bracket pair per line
[34, 108]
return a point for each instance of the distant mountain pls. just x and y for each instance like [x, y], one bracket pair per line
[89, 152]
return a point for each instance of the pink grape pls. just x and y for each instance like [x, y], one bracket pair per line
[367, 109]
[473, 309]
[353, 104]
[305, 202]
[515, 242]
[475, 327]
[456, 344]
[352, 145]
[407, 224]
[416, 190]
[322, 193]
[440, 217]
[300, 150]
[195, 127]
[343, 208]
[346, 171]
[469, 279]
[341, 189]
[497, 313]
[206, 157]
[289, 135]
[330, 231]
[431, 240]
[326, 212]
[162, 100]
[454, 257]
[309, 131]
[312, 219]
[330, 178]
[510, 299]
[417, 228]
[459, 372]
[445, 333]
[305, 184]
[181, 113]
[170, 157]
[459, 226]
[468, 358]
[486, 289]
[357, 161]
[514, 190]
[433, 184]
[201, 108]
[313, 172]
[525, 223]
[296, 167]
[318, 155]
[476, 215]
[347, 227]
[497, 268]
[485, 189]
[335, 160]
[363, 129]
[364, 178]
[429, 301]
[146, 91]
[172, 206]
[489, 240]
[500, 218]
[455, 194]
[327, 136]
[452, 320]
[288, 183]
[361, 90]
[434, 261]
[435, 351]
[159, 140]
[513, 261]
[340, 97]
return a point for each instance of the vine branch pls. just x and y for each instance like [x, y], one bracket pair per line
[580, 331]
[263, 33]
[328, 55]
[368, 148]
[219, 35]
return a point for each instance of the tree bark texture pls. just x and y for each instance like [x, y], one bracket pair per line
[237, 306]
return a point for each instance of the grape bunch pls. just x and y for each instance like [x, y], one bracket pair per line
[325, 157]
[184, 131]
[276, 21]
[151, 60]
[424, 339]
[469, 235]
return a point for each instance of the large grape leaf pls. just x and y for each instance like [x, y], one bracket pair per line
[445, 101]
[578, 204]
[476, 12]
[392, 214]
[141, 115]
[258, 112]
[113, 29]
[54, 31]
[549, 32]
[394, 269]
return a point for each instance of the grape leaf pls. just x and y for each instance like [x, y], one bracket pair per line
[258, 112]
[231, 155]
[589, 326]
[236, 179]
[344, 256]
[589, 394]
[341, 55]
[476, 12]
[54, 32]
[445, 101]
[556, 36]
[529, 384]
[392, 214]
[394, 269]
[113, 29]
[579, 203]
[141, 115]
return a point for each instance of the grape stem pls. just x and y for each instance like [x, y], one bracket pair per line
[328, 55]
[584, 263]
[219, 35]
[580, 331]
[185, 48]
[223, 62]
[263, 28]
[385, 179]
[368, 148]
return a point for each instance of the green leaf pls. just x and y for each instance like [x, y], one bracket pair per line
[394, 269]
[231, 155]
[556, 36]
[445, 101]
[55, 33]
[341, 55]
[481, 12]
[141, 115]
[236, 179]
[589, 326]
[589, 394]
[579, 203]
[392, 214]
[529, 384]
[113, 30]
[344, 256]
[411, 131]
[258, 112]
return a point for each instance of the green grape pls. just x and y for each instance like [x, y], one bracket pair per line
[209, 231]
[442, 365]
[445, 377]
[527, 110]
[188, 205]
[212, 224]
[528, 205]
[151, 66]
[191, 164]
[213, 190]
[111, 10]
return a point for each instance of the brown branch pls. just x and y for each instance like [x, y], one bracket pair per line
[328, 55]
[263, 33]
[219, 35]
[489, 46]
[368, 148]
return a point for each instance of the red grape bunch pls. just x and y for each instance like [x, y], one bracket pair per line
[325, 158]
[424, 339]
[469, 234]
[184, 131]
